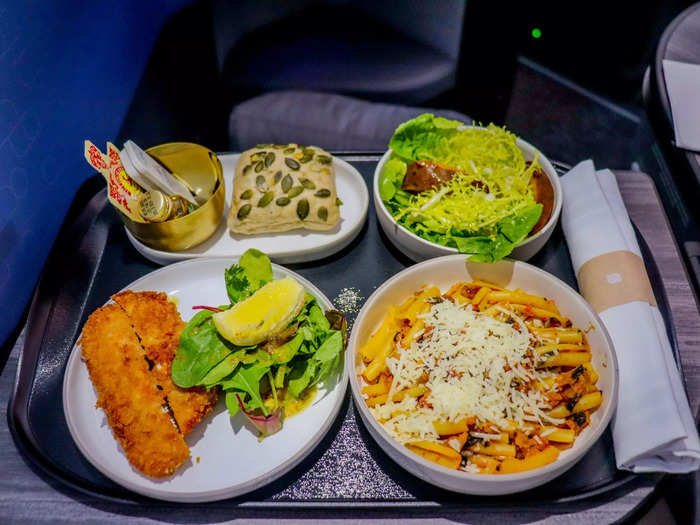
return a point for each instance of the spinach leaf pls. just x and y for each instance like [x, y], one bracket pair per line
[286, 352]
[328, 356]
[201, 349]
[317, 320]
[223, 369]
[301, 375]
[330, 348]
[307, 372]
[257, 268]
[232, 402]
[247, 379]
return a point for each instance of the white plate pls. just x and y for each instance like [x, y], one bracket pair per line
[286, 247]
[232, 461]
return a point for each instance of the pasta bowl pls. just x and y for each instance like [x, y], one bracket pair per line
[419, 249]
[444, 272]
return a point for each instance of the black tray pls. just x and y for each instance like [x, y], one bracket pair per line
[92, 259]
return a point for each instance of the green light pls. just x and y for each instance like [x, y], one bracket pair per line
[536, 32]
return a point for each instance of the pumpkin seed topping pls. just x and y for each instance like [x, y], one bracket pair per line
[323, 213]
[303, 209]
[293, 164]
[266, 199]
[323, 193]
[287, 183]
[243, 211]
[260, 182]
[269, 159]
[308, 184]
[283, 201]
[295, 191]
[277, 177]
[259, 166]
[247, 194]
[324, 159]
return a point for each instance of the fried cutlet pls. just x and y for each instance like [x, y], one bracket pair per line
[158, 325]
[127, 393]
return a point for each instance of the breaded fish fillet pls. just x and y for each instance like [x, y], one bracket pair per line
[127, 393]
[158, 325]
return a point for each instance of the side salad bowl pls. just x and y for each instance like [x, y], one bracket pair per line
[419, 249]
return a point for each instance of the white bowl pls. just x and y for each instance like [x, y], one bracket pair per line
[419, 249]
[444, 272]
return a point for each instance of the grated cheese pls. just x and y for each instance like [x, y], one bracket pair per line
[474, 365]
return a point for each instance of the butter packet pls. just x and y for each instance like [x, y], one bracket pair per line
[123, 192]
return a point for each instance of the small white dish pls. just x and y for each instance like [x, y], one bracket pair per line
[419, 249]
[231, 460]
[287, 247]
[444, 272]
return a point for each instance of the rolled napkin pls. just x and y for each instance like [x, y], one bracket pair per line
[653, 429]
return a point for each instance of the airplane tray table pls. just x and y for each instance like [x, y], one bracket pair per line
[93, 258]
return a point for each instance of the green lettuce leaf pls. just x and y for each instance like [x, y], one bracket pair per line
[222, 370]
[301, 375]
[424, 137]
[391, 178]
[257, 268]
[201, 349]
[319, 365]
[252, 272]
[247, 380]
[512, 230]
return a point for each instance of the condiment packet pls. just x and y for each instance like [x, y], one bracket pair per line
[123, 192]
[143, 166]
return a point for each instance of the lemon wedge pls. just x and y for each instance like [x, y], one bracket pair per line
[268, 311]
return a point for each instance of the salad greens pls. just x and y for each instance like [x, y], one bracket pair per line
[260, 380]
[486, 209]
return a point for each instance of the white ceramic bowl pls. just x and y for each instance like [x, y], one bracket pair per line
[444, 272]
[419, 249]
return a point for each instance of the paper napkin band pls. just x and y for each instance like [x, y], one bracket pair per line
[615, 278]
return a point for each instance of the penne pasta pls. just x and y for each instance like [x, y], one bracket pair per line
[560, 435]
[378, 364]
[519, 298]
[512, 466]
[554, 362]
[495, 449]
[586, 402]
[415, 391]
[447, 428]
[566, 359]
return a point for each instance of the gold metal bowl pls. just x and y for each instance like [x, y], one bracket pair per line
[197, 166]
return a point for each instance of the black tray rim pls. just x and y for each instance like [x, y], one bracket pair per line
[18, 401]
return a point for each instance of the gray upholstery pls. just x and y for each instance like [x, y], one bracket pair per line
[365, 48]
[327, 120]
